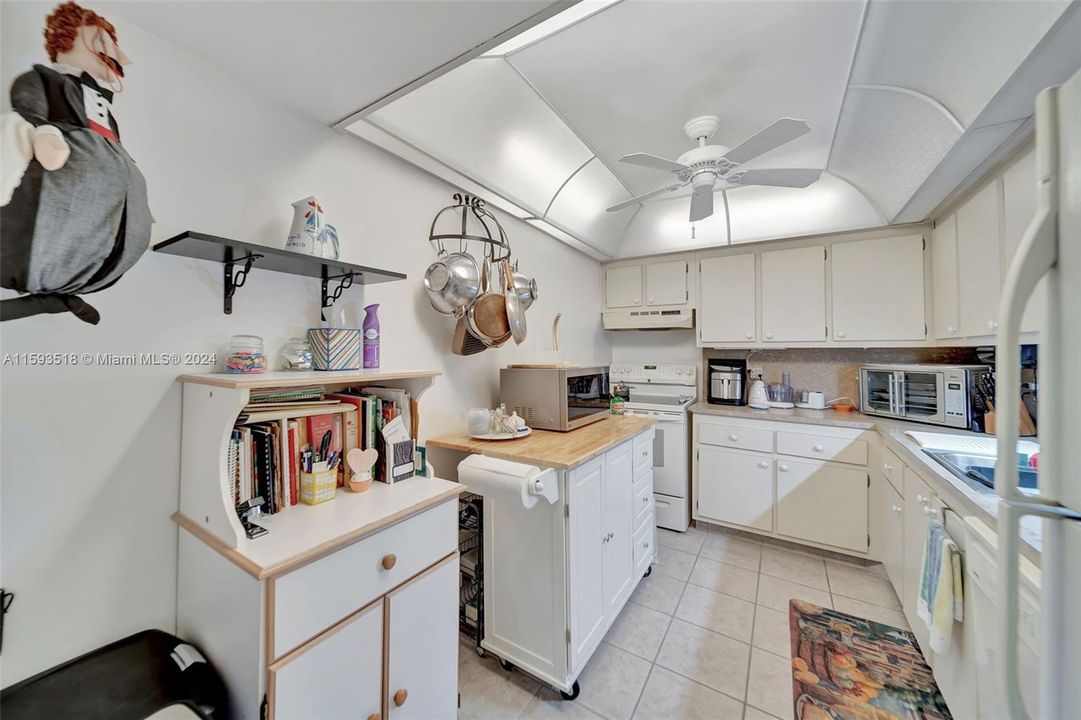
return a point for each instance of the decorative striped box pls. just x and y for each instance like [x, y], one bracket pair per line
[335, 348]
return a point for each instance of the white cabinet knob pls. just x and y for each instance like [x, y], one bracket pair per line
[992, 325]
[818, 448]
[733, 437]
[951, 328]
[921, 499]
[769, 336]
[887, 467]
[749, 336]
[645, 545]
[645, 500]
[636, 301]
[782, 467]
[841, 333]
[763, 464]
[896, 508]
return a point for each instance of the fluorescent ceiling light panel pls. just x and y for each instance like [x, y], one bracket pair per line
[575, 13]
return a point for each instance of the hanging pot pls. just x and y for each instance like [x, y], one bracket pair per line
[452, 282]
[514, 309]
[487, 316]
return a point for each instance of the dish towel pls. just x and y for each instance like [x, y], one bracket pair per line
[941, 600]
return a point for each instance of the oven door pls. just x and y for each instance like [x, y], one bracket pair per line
[589, 397]
[880, 392]
[922, 396]
[669, 451]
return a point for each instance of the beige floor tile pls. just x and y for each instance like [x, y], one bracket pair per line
[706, 657]
[717, 612]
[772, 632]
[775, 593]
[724, 578]
[669, 696]
[488, 691]
[794, 566]
[639, 630]
[674, 563]
[769, 685]
[612, 681]
[752, 713]
[884, 615]
[689, 541]
[732, 550]
[659, 592]
[548, 705]
[860, 584]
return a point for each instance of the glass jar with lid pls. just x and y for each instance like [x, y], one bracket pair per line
[245, 355]
[296, 354]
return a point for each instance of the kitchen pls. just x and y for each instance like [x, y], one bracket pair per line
[656, 544]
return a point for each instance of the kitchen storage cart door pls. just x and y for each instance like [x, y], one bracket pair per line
[878, 289]
[336, 675]
[794, 295]
[585, 497]
[735, 487]
[727, 303]
[618, 553]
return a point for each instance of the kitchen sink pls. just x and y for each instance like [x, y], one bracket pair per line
[981, 468]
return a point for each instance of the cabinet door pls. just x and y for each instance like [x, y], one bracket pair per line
[945, 281]
[794, 295]
[338, 676]
[585, 546]
[917, 498]
[892, 516]
[727, 305]
[978, 261]
[822, 503]
[735, 487]
[666, 283]
[618, 531]
[1019, 207]
[422, 645]
[889, 270]
[623, 286]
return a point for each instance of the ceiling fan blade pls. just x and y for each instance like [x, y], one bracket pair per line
[778, 177]
[639, 198]
[653, 162]
[701, 203]
[782, 131]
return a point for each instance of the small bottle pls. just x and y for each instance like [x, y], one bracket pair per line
[371, 336]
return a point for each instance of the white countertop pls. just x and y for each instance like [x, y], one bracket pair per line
[963, 496]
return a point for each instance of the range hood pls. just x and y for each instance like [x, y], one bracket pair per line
[648, 319]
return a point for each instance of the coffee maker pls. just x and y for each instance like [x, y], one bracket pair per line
[726, 381]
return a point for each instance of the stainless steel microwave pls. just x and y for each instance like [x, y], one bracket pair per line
[555, 398]
[938, 394]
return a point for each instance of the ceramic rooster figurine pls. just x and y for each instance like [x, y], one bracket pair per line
[79, 217]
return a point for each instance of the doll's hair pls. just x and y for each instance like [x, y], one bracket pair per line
[62, 27]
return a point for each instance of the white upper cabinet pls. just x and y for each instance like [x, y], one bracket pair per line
[623, 286]
[878, 289]
[794, 295]
[944, 286]
[666, 283]
[1019, 207]
[979, 270]
[727, 306]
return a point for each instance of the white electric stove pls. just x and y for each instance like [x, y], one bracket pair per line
[663, 392]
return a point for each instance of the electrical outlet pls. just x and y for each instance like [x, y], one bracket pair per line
[754, 372]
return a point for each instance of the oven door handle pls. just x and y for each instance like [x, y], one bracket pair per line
[893, 401]
[902, 381]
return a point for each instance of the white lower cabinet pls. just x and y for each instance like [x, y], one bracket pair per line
[822, 502]
[344, 668]
[892, 515]
[735, 487]
[917, 499]
[586, 557]
[618, 554]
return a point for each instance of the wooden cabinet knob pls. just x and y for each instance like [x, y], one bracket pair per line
[390, 561]
[400, 697]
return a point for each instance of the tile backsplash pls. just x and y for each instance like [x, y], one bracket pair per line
[834, 370]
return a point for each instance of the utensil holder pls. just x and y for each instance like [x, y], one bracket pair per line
[335, 348]
[318, 486]
[359, 482]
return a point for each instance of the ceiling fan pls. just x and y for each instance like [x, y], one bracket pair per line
[703, 166]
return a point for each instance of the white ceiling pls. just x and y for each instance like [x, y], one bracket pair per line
[329, 59]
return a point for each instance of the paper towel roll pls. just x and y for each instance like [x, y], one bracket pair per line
[508, 481]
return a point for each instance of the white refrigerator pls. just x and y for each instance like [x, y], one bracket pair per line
[1051, 249]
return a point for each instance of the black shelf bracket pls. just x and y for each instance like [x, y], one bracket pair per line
[345, 280]
[233, 281]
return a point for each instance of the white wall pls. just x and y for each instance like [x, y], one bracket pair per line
[90, 454]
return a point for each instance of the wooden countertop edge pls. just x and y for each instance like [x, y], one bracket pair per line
[312, 554]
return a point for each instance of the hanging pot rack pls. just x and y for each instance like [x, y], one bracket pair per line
[472, 212]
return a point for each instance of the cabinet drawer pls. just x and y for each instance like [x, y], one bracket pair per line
[319, 594]
[642, 451]
[736, 437]
[643, 496]
[894, 471]
[821, 447]
[643, 546]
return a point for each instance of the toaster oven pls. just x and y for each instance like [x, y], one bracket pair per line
[938, 394]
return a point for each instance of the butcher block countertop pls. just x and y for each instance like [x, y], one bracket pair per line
[546, 448]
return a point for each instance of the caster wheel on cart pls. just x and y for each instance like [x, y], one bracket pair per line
[506, 665]
[573, 693]
[480, 651]
[648, 572]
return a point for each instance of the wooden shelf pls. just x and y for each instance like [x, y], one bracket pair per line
[242, 257]
[310, 377]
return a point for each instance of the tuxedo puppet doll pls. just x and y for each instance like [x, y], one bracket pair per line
[78, 218]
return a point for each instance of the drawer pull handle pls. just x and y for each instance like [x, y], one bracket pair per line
[389, 561]
[645, 500]
[782, 467]
[400, 697]
[733, 437]
[818, 448]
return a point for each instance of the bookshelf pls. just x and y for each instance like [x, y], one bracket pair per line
[212, 404]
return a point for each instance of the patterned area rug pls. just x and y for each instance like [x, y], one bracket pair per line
[848, 668]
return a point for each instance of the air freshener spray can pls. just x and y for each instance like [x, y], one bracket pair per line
[371, 336]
